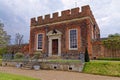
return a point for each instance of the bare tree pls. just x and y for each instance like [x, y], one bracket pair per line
[18, 39]
[18, 42]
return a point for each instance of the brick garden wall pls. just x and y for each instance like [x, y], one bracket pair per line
[99, 50]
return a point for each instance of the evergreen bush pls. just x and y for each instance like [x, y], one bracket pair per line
[87, 59]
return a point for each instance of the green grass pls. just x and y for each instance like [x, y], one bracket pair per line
[64, 61]
[110, 68]
[6, 76]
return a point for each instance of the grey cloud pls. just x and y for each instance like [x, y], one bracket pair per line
[16, 14]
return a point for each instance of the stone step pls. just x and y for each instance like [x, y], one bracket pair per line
[28, 66]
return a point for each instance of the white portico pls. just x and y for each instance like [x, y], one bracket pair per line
[54, 42]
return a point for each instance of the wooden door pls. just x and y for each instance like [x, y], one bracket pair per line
[55, 47]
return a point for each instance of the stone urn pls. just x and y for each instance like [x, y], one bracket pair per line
[36, 67]
[18, 65]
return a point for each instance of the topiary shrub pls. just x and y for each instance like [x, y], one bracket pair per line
[0, 57]
[19, 55]
[87, 59]
[0, 62]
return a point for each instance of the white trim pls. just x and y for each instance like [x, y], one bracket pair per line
[50, 38]
[42, 42]
[50, 33]
[92, 33]
[76, 39]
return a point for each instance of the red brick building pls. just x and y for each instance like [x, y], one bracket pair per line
[69, 33]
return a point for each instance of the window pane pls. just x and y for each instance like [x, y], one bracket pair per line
[40, 38]
[73, 38]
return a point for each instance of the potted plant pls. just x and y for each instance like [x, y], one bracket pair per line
[36, 67]
[36, 57]
[18, 58]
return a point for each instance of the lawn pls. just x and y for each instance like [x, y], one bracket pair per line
[110, 68]
[6, 76]
[64, 61]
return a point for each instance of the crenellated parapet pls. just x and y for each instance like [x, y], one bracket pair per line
[65, 15]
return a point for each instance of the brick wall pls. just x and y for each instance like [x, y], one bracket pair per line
[99, 50]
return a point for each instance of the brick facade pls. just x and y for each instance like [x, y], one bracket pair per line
[84, 22]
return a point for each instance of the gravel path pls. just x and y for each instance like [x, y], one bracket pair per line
[55, 75]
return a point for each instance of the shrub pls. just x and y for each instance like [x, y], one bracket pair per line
[0, 62]
[37, 55]
[87, 59]
[0, 57]
[19, 55]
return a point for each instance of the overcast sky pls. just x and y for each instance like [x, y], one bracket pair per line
[16, 14]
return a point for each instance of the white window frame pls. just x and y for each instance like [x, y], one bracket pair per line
[37, 42]
[76, 39]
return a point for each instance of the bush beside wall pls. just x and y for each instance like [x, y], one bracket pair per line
[0, 62]
[109, 59]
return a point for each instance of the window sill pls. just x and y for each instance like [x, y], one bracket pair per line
[39, 49]
[73, 48]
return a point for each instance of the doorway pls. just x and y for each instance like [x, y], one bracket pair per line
[55, 47]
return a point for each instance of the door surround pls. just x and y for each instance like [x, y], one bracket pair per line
[52, 36]
[54, 46]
